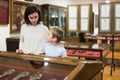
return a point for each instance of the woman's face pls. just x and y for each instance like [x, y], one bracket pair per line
[33, 18]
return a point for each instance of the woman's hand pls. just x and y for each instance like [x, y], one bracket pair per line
[19, 51]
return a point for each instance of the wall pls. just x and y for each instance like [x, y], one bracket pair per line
[4, 32]
[4, 29]
[58, 2]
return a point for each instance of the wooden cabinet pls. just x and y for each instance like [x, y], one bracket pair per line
[54, 16]
[12, 43]
[79, 19]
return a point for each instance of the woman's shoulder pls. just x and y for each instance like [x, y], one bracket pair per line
[45, 28]
[41, 24]
[24, 25]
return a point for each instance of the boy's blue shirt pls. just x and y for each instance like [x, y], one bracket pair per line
[54, 51]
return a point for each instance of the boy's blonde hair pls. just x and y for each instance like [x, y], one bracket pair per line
[57, 32]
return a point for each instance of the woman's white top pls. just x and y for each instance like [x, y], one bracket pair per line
[33, 38]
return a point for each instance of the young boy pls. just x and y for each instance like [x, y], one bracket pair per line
[53, 47]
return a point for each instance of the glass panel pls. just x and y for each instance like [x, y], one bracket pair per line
[72, 18]
[117, 25]
[84, 18]
[84, 24]
[117, 17]
[85, 11]
[72, 25]
[105, 24]
[72, 11]
[105, 10]
[53, 17]
[117, 10]
[62, 20]
[18, 15]
[45, 17]
[105, 17]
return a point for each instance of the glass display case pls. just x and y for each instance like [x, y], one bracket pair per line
[54, 16]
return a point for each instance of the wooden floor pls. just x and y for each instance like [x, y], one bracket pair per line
[115, 74]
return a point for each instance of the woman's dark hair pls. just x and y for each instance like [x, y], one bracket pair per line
[29, 10]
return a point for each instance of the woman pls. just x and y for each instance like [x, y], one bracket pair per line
[33, 33]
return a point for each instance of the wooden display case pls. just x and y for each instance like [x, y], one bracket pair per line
[51, 68]
[54, 16]
[79, 19]
[89, 50]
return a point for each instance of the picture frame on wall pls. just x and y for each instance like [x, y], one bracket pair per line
[4, 10]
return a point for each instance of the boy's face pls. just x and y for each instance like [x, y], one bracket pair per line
[50, 37]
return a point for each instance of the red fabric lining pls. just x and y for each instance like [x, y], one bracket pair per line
[85, 53]
[46, 75]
